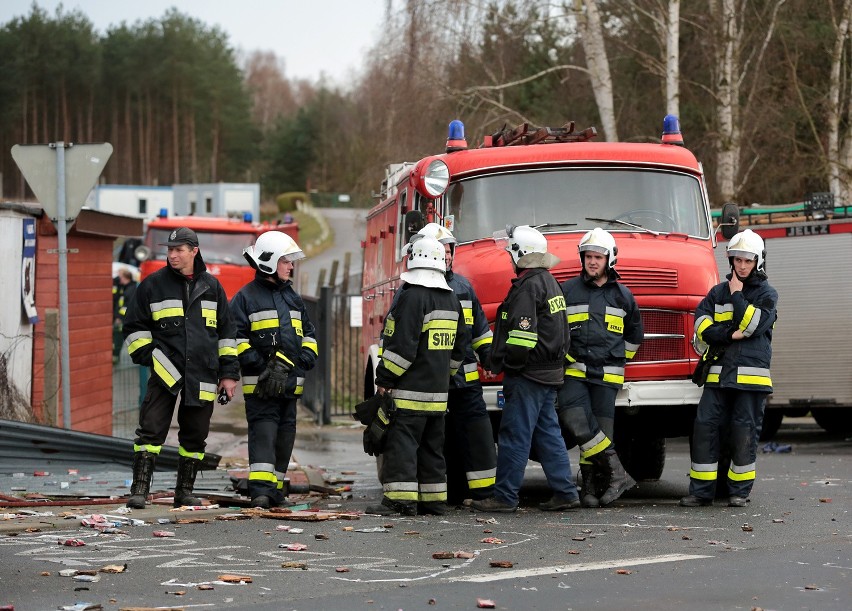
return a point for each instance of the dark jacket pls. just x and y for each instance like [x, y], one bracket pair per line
[122, 296]
[422, 347]
[531, 332]
[183, 330]
[745, 363]
[272, 317]
[606, 329]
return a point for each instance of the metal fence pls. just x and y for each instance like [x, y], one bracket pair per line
[128, 389]
[336, 384]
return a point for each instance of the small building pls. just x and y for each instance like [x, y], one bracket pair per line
[217, 199]
[132, 200]
[31, 359]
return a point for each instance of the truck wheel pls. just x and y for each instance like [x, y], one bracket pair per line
[643, 457]
[835, 420]
[771, 423]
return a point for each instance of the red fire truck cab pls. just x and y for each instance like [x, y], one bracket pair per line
[653, 199]
[221, 240]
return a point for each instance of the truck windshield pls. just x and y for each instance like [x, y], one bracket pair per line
[665, 202]
[215, 247]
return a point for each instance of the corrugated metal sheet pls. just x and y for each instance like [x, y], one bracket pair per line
[43, 446]
[811, 356]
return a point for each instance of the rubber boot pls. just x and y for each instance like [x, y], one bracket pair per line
[619, 480]
[587, 495]
[143, 473]
[187, 468]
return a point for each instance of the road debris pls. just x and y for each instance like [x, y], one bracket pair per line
[484, 603]
[624, 572]
[72, 542]
[464, 555]
[778, 448]
[295, 564]
[501, 564]
[493, 540]
[342, 569]
[825, 500]
[321, 537]
[411, 532]
[163, 533]
[442, 555]
[78, 607]
[377, 529]
[227, 578]
[233, 516]
[747, 527]
[293, 547]
[573, 552]
[114, 568]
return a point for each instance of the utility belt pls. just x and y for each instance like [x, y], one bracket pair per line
[377, 413]
[708, 359]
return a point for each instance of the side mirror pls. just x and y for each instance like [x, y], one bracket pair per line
[142, 253]
[729, 222]
[413, 223]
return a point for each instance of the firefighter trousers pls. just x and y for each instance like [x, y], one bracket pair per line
[412, 468]
[271, 436]
[473, 435]
[730, 416]
[155, 417]
[578, 405]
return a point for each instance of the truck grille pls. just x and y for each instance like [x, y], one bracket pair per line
[632, 277]
[667, 323]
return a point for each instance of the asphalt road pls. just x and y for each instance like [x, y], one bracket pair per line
[789, 549]
[349, 227]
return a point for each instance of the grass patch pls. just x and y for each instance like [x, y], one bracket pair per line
[309, 234]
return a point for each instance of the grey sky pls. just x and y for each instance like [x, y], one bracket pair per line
[311, 36]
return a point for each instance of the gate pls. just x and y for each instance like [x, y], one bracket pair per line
[128, 389]
[336, 384]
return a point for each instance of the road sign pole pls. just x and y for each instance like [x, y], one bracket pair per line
[64, 345]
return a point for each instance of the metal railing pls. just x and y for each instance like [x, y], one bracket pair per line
[128, 389]
[336, 384]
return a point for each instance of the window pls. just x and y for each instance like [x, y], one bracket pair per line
[143, 206]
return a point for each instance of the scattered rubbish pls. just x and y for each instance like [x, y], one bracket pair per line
[176, 592]
[442, 555]
[825, 500]
[163, 533]
[235, 578]
[484, 603]
[333, 506]
[578, 538]
[72, 542]
[777, 521]
[67, 572]
[45, 573]
[233, 516]
[487, 520]
[714, 542]
[347, 528]
[342, 569]
[432, 601]
[487, 531]
[624, 572]
[321, 537]
[388, 525]
[501, 564]
[73, 472]
[778, 448]
[411, 532]
[811, 586]
[295, 565]
[163, 521]
[41, 473]
[86, 578]
[74, 607]
[573, 552]
[686, 538]
[294, 547]
[297, 531]
[747, 528]
[377, 529]
[493, 540]
[114, 568]
[123, 510]
[464, 555]
[192, 521]
[195, 507]
[205, 586]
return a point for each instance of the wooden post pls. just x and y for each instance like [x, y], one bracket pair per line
[332, 281]
[347, 261]
[51, 363]
[320, 281]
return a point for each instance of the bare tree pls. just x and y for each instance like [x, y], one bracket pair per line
[839, 151]
[591, 35]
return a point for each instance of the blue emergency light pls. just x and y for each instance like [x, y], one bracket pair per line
[247, 217]
[455, 137]
[164, 213]
[671, 131]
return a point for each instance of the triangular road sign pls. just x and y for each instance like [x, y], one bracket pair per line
[83, 166]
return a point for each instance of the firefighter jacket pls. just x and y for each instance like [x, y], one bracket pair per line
[422, 348]
[606, 329]
[271, 317]
[531, 333]
[122, 295]
[479, 333]
[745, 362]
[182, 329]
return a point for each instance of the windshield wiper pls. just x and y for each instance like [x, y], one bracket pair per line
[553, 225]
[620, 222]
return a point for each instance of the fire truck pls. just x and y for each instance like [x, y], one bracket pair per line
[651, 196]
[808, 245]
[222, 241]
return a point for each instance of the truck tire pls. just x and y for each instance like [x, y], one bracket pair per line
[771, 423]
[642, 457]
[835, 420]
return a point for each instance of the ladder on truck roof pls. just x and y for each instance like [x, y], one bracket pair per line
[525, 134]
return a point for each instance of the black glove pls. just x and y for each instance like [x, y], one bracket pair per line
[718, 334]
[273, 381]
[708, 359]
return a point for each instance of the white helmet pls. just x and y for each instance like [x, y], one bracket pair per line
[748, 245]
[528, 247]
[439, 232]
[599, 241]
[269, 248]
[426, 265]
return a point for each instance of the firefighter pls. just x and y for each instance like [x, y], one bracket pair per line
[178, 325]
[472, 426]
[735, 321]
[606, 330]
[123, 288]
[422, 347]
[276, 345]
[530, 342]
